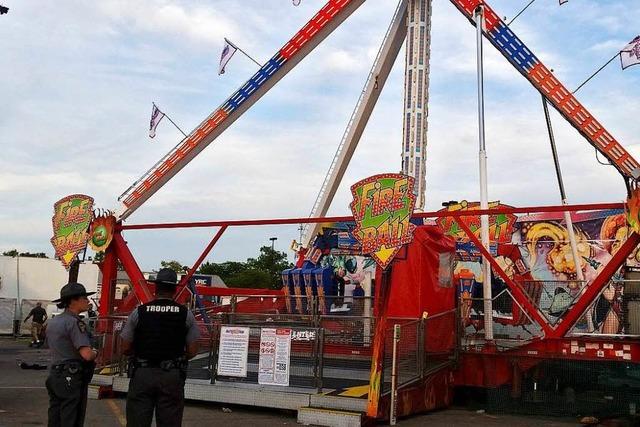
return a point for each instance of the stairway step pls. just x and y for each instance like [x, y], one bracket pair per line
[328, 417]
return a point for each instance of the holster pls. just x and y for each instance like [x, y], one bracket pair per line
[88, 369]
[131, 367]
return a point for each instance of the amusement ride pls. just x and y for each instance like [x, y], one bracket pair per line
[464, 337]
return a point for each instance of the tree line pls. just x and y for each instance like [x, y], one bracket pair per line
[14, 253]
[261, 272]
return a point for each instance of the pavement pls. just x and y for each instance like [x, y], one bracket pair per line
[24, 402]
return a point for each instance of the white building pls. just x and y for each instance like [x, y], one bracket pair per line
[25, 281]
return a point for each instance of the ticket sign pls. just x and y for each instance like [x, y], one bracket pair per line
[71, 218]
[275, 356]
[233, 351]
[382, 207]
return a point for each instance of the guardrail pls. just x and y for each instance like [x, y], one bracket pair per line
[328, 352]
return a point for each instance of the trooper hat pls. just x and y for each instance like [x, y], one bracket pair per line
[166, 276]
[71, 290]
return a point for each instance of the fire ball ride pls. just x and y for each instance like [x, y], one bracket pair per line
[485, 295]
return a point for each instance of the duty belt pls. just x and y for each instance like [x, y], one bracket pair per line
[71, 366]
[164, 364]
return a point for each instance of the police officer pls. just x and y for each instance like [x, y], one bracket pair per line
[161, 335]
[72, 358]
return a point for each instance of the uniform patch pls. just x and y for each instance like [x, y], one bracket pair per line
[82, 326]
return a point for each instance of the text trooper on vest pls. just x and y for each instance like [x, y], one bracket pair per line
[162, 308]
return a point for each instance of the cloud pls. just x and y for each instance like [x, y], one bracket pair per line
[78, 83]
[609, 46]
[191, 23]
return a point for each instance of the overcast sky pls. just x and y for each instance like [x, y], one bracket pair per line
[77, 80]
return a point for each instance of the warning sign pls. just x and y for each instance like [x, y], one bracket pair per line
[233, 351]
[275, 356]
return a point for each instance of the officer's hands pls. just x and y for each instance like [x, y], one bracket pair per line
[87, 353]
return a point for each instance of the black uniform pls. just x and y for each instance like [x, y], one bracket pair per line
[70, 375]
[160, 331]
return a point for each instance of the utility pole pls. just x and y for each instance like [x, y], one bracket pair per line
[484, 198]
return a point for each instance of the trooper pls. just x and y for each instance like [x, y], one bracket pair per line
[72, 358]
[161, 336]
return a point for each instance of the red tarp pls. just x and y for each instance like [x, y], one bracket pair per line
[415, 279]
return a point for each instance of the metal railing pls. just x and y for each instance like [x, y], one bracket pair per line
[327, 351]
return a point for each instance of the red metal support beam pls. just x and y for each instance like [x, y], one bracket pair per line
[437, 214]
[136, 277]
[376, 380]
[517, 291]
[576, 312]
[109, 269]
[185, 280]
[228, 292]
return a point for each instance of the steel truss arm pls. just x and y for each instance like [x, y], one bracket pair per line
[138, 282]
[378, 75]
[512, 48]
[332, 14]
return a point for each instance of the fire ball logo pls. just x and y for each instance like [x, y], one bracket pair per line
[71, 218]
[382, 207]
[101, 232]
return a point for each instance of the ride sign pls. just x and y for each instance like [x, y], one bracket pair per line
[101, 232]
[382, 207]
[71, 218]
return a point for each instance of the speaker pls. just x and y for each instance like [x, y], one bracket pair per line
[632, 284]
[633, 317]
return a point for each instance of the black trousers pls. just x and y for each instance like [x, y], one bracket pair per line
[67, 398]
[155, 389]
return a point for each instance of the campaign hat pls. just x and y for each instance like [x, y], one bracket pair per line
[72, 290]
[166, 276]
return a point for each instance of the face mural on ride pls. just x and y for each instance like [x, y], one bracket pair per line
[535, 251]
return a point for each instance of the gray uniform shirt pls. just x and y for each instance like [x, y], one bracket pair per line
[66, 333]
[128, 332]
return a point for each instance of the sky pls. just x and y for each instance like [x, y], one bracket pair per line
[77, 80]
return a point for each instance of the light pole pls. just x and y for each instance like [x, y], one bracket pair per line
[273, 241]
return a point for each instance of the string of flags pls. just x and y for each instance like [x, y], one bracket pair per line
[630, 54]
[527, 7]
[156, 117]
[227, 53]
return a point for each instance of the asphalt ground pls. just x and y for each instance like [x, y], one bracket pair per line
[24, 402]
